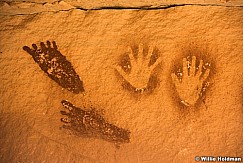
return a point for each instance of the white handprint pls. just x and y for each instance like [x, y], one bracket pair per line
[189, 87]
[140, 70]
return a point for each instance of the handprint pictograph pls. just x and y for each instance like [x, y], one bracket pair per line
[189, 83]
[139, 68]
[57, 67]
[91, 124]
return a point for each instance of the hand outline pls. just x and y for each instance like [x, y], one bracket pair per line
[140, 69]
[189, 87]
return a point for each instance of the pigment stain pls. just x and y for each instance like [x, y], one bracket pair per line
[56, 66]
[91, 124]
[200, 52]
[137, 67]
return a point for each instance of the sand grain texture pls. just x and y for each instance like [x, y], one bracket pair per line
[94, 41]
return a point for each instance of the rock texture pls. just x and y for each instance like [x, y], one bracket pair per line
[94, 37]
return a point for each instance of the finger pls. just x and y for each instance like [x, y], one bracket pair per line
[64, 113]
[205, 75]
[121, 72]
[43, 47]
[34, 46]
[67, 105]
[140, 52]
[27, 49]
[150, 53]
[130, 54]
[193, 66]
[48, 44]
[175, 79]
[54, 45]
[65, 120]
[185, 67]
[199, 71]
[157, 62]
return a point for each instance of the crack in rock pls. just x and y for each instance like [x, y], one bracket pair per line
[13, 8]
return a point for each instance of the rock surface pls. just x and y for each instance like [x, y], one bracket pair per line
[161, 129]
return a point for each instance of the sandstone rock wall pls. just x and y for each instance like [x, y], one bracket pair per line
[94, 37]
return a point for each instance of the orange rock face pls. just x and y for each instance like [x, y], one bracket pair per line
[94, 37]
